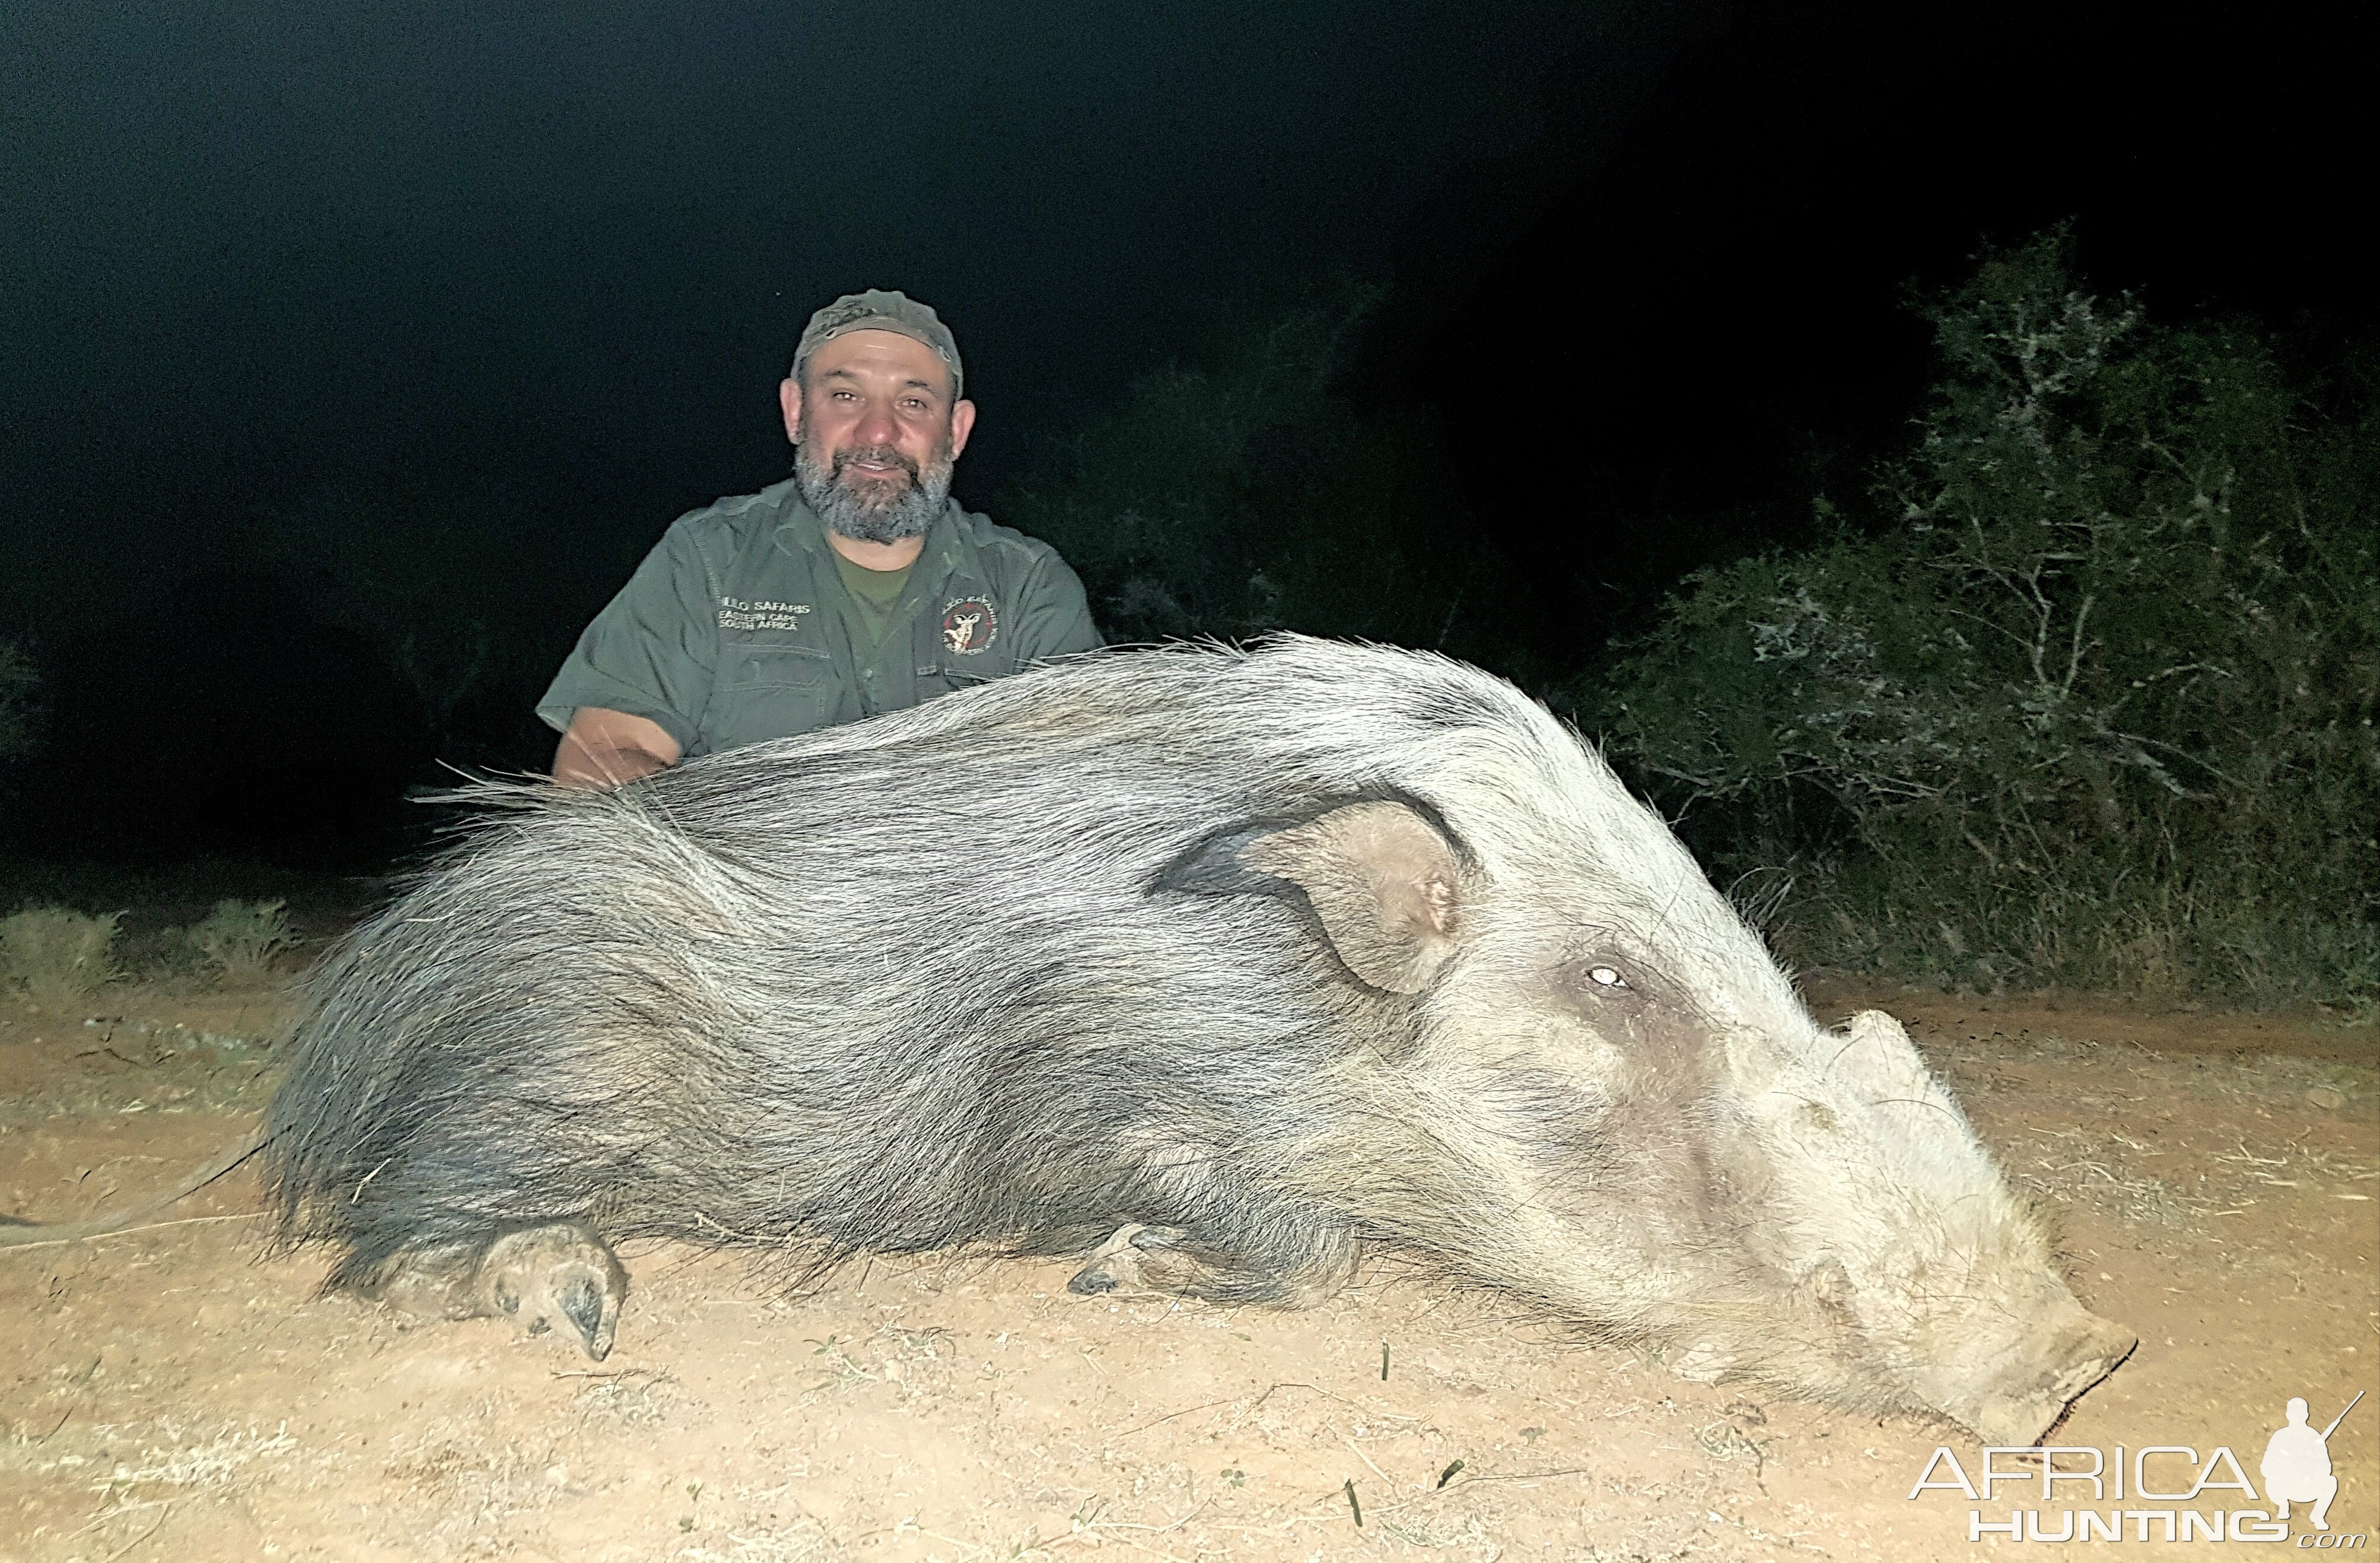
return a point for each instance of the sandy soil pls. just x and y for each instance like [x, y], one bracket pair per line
[163, 1394]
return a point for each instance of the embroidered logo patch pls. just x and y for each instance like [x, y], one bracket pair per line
[745, 613]
[969, 625]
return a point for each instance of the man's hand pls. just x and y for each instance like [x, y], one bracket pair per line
[607, 748]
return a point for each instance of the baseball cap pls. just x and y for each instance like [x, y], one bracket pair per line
[882, 310]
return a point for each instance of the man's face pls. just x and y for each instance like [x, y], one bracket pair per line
[876, 434]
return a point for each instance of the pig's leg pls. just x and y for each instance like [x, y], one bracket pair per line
[1308, 1270]
[542, 1276]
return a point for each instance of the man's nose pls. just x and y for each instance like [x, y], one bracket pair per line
[877, 425]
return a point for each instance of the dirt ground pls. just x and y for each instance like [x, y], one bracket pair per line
[164, 1394]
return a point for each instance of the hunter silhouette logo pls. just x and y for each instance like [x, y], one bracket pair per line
[2151, 1488]
[2296, 1465]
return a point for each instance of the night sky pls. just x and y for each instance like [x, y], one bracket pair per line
[536, 271]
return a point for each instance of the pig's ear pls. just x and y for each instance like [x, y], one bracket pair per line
[1382, 880]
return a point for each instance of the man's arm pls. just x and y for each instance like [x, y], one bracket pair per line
[628, 697]
[607, 748]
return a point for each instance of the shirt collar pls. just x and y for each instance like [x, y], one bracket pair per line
[947, 552]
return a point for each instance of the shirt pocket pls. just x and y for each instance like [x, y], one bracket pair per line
[771, 692]
[946, 677]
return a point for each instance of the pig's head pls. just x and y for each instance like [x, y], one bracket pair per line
[1613, 1100]
[1905, 1251]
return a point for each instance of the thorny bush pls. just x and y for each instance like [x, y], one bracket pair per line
[2090, 698]
[238, 940]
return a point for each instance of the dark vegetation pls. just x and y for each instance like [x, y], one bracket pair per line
[20, 689]
[2081, 691]
[1248, 492]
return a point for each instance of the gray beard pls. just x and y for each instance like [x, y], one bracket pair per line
[871, 512]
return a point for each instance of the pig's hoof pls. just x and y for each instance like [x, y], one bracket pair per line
[1175, 1262]
[557, 1274]
[1131, 1260]
[432, 1283]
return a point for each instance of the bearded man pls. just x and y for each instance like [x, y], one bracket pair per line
[855, 587]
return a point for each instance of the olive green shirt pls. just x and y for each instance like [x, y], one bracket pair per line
[875, 598]
[738, 628]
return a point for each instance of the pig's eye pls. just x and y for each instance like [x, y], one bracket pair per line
[1597, 980]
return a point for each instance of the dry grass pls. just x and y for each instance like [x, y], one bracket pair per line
[238, 940]
[57, 955]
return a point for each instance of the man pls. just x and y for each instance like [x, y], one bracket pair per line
[855, 587]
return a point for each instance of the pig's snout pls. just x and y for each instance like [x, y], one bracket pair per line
[2025, 1390]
